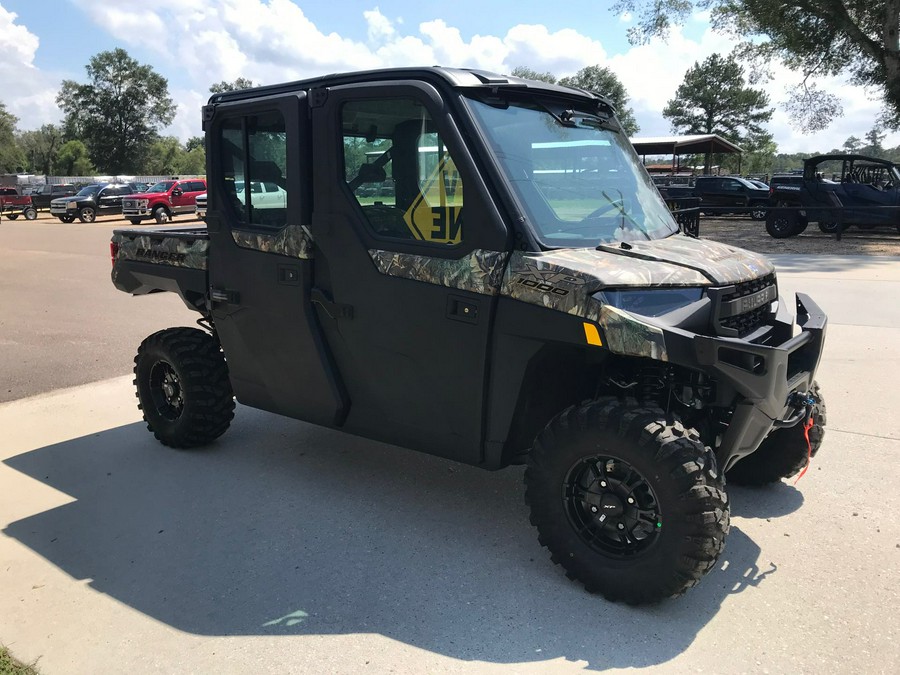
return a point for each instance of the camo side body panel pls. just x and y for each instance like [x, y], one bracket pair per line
[293, 241]
[174, 251]
[479, 272]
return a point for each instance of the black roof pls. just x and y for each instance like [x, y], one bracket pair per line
[464, 78]
[856, 158]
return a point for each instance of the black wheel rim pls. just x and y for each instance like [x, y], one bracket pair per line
[612, 506]
[166, 391]
[781, 224]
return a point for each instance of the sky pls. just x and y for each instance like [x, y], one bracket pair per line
[194, 43]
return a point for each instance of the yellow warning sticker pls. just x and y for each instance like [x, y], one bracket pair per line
[435, 213]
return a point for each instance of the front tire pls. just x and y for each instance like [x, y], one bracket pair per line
[758, 211]
[135, 221]
[630, 504]
[161, 215]
[784, 452]
[87, 214]
[66, 219]
[782, 223]
[30, 213]
[829, 226]
[183, 387]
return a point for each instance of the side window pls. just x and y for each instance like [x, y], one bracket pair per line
[254, 149]
[400, 172]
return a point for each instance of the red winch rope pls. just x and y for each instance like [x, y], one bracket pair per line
[806, 427]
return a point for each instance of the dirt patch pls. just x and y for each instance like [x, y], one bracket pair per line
[751, 234]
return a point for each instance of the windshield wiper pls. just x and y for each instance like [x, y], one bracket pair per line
[620, 207]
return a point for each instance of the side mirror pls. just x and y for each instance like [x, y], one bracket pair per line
[177, 192]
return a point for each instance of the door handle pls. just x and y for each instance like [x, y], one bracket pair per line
[333, 309]
[462, 309]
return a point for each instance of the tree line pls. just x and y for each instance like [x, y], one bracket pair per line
[112, 122]
[111, 125]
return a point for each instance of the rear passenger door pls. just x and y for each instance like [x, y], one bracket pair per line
[261, 260]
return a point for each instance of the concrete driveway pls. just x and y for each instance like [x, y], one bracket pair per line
[290, 548]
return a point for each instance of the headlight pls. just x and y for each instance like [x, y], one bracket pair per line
[655, 302]
[71, 205]
[142, 203]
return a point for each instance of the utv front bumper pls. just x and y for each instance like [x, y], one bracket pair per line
[757, 379]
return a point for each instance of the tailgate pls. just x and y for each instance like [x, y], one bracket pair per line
[177, 247]
[154, 260]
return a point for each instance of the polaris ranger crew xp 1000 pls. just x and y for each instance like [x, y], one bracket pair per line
[478, 267]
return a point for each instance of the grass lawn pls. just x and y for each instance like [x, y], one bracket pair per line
[9, 665]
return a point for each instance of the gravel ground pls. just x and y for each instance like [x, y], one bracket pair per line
[751, 234]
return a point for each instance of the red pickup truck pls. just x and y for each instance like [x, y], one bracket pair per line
[163, 201]
[13, 204]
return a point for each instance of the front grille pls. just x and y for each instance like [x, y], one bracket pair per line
[736, 319]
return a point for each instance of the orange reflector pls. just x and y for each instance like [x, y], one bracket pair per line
[592, 335]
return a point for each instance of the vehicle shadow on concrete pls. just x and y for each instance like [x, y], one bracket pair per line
[771, 501]
[283, 528]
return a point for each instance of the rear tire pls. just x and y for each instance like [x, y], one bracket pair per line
[758, 211]
[784, 452]
[12, 216]
[183, 387]
[585, 467]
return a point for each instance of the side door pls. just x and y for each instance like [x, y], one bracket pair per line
[733, 193]
[709, 191]
[411, 262]
[109, 199]
[261, 260]
[181, 198]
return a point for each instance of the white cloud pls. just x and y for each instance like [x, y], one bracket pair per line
[27, 92]
[272, 41]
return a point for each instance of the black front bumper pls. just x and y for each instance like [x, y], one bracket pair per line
[758, 380]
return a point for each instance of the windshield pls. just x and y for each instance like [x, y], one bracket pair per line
[162, 186]
[89, 190]
[577, 177]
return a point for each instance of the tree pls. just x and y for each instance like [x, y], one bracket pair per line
[118, 113]
[41, 147]
[528, 74]
[194, 142]
[73, 160]
[604, 81]
[192, 162]
[163, 157]
[818, 38]
[223, 86]
[873, 145]
[852, 145]
[168, 157]
[713, 99]
[11, 158]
